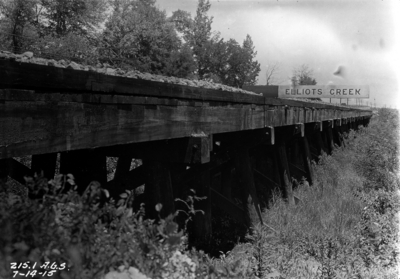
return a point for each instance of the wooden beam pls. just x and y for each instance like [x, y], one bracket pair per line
[246, 183]
[17, 171]
[75, 126]
[43, 77]
[337, 137]
[285, 172]
[225, 204]
[86, 166]
[124, 179]
[276, 167]
[123, 166]
[320, 143]
[297, 172]
[158, 189]
[265, 179]
[217, 161]
[202, 221]
[247, 139]
[227, 180]
[294, 151]
[270, 133]
[67, 125]
[307, 161]
[329, 136]
[45, 163]
[299, 129]
[198, 150]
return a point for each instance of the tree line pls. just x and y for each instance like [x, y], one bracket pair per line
[128, 34]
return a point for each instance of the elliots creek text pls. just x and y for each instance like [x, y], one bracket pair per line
[324, 91]
[314, 91]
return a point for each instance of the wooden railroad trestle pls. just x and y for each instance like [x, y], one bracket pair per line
[234, 148]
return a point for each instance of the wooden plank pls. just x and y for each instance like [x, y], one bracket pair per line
[225, 204]
[60, 133]
[49, 128]
[158, 189]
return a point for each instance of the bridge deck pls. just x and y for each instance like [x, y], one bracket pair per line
[46, 109]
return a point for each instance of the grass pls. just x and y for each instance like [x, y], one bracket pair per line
[346, 224]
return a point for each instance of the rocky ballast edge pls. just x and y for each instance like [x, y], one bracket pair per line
[28, 57]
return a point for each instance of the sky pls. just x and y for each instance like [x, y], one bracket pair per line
[359, 36]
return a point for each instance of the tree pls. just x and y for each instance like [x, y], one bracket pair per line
[76, 16]
[180, 63]
[60, 29]
[225, 62]
[236, 66]
[271, 72]
[303, 75]
[251, 67]
[197, 33]
[15, 17]
[139, 35]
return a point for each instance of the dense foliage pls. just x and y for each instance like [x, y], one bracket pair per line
[132, 34]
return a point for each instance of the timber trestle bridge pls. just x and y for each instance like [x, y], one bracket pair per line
[233, 146]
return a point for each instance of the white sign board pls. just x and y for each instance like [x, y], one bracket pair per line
[323, 91]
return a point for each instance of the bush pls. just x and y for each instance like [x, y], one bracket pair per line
[95, 240]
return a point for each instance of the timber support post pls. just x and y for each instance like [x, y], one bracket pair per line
[285, 172]
[246, 183]
[202, 220]
[45, 163]
[121, 171]
[320, 142]
[307, 160]
[329, 135]
[158, 189]
[85, 165]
